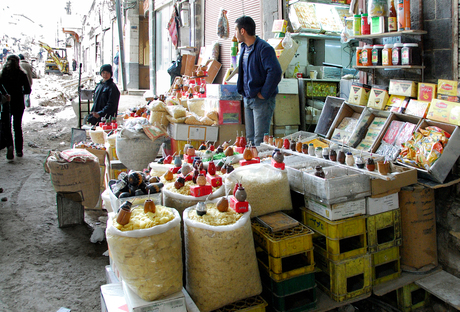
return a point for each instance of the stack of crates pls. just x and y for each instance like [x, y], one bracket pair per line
[286, 266]
[384, 239]
[341, 254]
[411, 297]
[252, 304]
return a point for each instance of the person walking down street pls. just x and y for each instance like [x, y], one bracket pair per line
[106, 97]
[27, 68]
[259, 73]
[74, 65]
[13, 81]
[116, 61]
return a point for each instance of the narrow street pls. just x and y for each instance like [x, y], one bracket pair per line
[46, 267]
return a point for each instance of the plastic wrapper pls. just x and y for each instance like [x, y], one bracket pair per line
[180, 120]
[149, 260]
[172, 198]
[196, 106]
[221, 263]
[360, 129]
[159, 118]
[303, 16]
[222, 25]
[424, 148]
[193, 119]
[267, 188]
[157, 106]
[176, 111]
[377, 8]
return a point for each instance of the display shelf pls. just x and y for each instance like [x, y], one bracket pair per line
[316, 36]
[390, 67]
[374, 174]
[406, 278]
[391, 34]
[319, 80]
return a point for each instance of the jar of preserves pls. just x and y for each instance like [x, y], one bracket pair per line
[396, 53]
[366, 55]
[359, 51]
[365, 27]
[377, 54]
[410, 54]
[386, 55]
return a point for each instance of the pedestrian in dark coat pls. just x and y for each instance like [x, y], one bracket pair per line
[106, 97]
[14, 81]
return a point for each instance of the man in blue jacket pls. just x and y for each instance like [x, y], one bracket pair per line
[259, 73]
[106, 97]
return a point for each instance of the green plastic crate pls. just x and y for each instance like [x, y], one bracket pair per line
[288, 286]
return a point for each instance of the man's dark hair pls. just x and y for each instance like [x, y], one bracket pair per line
[247, 23]
[21, 57]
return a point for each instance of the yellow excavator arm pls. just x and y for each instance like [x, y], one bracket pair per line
[53, 55]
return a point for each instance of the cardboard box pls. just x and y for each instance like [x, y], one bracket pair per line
[378, 97]
[174, 146]
[403, 88]
[279, 26]
[418, 225]
[213, 69]
[403, 176]
[397, 103]
[188, 63]
[442, 167]
[285, 56]
[171, 303]
[426, 91]
[228, 132]
[286, 110]
[100, 154]
[200, 133]
[417, 108]
[338, 211]
[321, 89]
[359, 94]
[110, 275]
[112, 298]
[346, 110]
[444, 111]
[450, 98]
[448, 87]
[229, 112]
[380, 204]
[223, 92]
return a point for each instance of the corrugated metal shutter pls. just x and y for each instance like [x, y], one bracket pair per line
[235, 9]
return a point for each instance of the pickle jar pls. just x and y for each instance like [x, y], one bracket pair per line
[386, 55]
[377, 55]
[366, 55]
[410, 54]
[396, 53]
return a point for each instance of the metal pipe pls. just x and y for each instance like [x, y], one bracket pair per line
[152, 50]
[122, 49]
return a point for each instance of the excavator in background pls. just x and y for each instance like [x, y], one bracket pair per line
[56, 62]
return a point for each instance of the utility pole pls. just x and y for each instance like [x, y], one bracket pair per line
[121, 46]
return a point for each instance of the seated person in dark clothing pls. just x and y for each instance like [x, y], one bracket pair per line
[106, 97]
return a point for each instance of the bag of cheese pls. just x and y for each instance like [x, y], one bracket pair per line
[148, 251]
[221, 263]
[267, 187]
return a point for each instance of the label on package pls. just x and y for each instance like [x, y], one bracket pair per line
[444, 111]
[392, 131]
[417, 108]
[426, 91]
[403, 88]
[340, 210]
[448, 87]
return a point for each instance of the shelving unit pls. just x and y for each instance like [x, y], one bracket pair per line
[390, 34]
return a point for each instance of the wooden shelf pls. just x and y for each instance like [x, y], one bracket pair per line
[315, 36]
[390, 67]
[406, 278]
[391, 34]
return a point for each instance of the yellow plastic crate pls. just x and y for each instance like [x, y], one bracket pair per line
[252, 304]
[411, 297]
[345, 279]
[334, 229]
[386, 265]
[283, 243]
[281, 269]
[384, 230]
[340, 249]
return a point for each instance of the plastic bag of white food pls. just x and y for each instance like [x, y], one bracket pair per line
[181, 202]
[149, 260]
[221, 263]
[267, 188]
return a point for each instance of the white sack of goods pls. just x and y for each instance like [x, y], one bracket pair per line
[158, 113]
[221, 263]
[135, 149]
[147, 249]
[75, 171]
[181, 199]
[267, 188]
